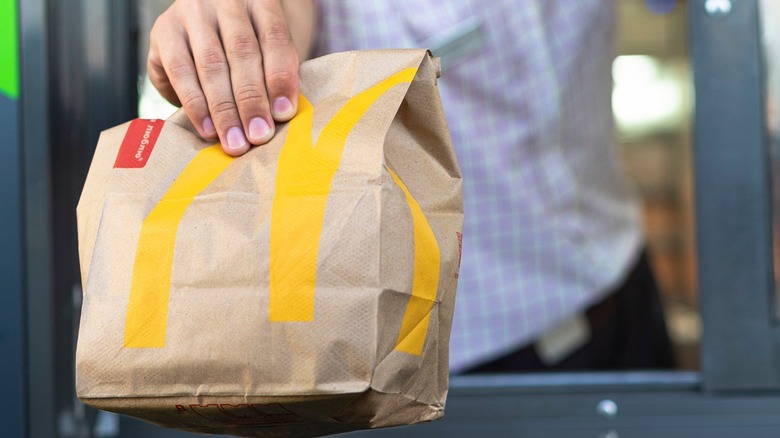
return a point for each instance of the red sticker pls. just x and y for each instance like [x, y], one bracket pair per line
[138, 143]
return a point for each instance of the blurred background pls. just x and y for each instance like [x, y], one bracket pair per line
[653, 102]
[82, 65]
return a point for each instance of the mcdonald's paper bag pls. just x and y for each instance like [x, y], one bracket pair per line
[303, 289]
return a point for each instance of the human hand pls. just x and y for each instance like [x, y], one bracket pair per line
[232, 65]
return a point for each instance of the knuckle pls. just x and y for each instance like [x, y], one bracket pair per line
[193, 100]
[276, 35]
[249, 94]
[179, 68]
[223, 109]
[153, 60]
[243, 46]
[212, 60]
[283, 78]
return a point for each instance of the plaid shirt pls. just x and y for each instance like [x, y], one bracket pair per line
[550, 226]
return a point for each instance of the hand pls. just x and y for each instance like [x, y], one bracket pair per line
[232, 65]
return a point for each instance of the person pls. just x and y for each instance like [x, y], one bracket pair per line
[553, 274]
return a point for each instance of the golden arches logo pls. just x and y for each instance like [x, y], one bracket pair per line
[304, 177]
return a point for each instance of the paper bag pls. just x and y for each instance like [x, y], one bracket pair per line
[303, 289]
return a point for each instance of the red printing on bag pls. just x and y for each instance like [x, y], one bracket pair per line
[138, 143]
[460, 251]
[248, 415]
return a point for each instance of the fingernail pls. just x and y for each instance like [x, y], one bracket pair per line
[283, 108]
[259, 129]
[235, 138]
[208, 127]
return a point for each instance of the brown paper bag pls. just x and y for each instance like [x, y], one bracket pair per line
[303, 289]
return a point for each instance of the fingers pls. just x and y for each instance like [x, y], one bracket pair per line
[172, 71]
[213, 72]
[242, 50]
[234, 68]
[280, 58]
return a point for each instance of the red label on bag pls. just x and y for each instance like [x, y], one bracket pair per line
[138, 143]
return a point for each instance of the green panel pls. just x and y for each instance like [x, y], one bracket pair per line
[9, 49]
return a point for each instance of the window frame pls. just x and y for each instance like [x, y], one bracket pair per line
[740, 357]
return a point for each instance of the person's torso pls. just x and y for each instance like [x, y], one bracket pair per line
[526, 86]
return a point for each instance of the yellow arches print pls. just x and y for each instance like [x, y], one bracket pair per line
[147, 310]
[425, 280]
[304, 177]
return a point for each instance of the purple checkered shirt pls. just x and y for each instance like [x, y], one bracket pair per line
[550, 226]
